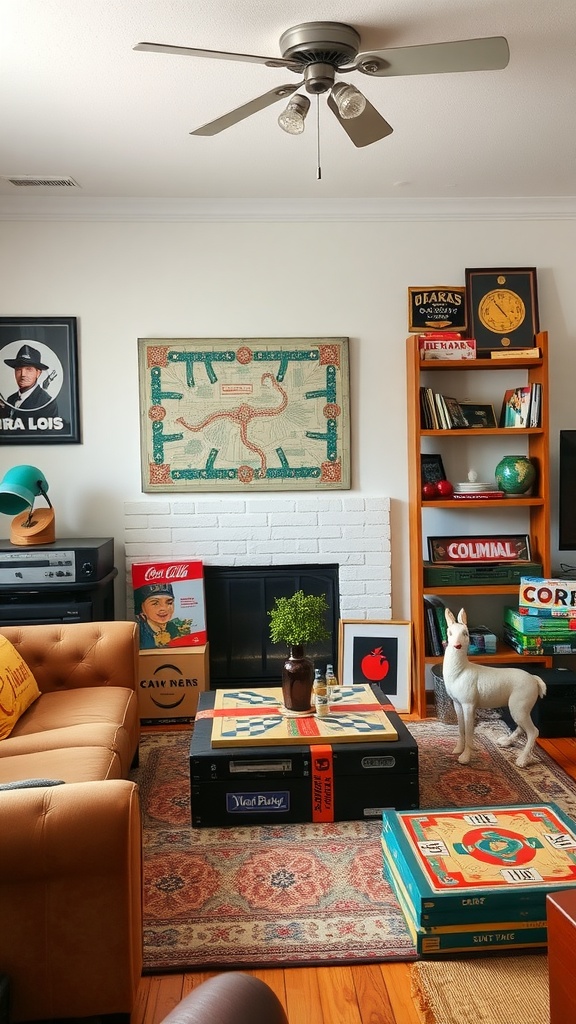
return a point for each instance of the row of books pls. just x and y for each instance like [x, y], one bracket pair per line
[440, 412]
[477, 878]
[521, 407]
[525, 632]
[482, 639]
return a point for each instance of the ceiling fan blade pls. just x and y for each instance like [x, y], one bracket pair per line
[490, 54]
[369, 127]
[187, 51]
[252, 107]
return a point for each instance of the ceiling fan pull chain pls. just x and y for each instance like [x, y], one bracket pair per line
[318, 168]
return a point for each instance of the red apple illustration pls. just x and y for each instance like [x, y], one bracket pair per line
[375, 665]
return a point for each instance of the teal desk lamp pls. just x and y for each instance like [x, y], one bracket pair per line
[18, 492]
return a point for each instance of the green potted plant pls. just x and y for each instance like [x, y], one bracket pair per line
[296, 621]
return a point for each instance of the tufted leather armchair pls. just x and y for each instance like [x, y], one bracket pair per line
[70, 854]
[229, 998]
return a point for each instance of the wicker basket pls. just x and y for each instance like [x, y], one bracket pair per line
[444, 706]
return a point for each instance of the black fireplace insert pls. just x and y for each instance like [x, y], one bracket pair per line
[237, 604]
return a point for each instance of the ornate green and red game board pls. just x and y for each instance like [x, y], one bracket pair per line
[455, 863]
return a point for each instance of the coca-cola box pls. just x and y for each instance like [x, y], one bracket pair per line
[169, 603]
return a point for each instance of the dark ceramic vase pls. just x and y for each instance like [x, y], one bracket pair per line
[297, 680]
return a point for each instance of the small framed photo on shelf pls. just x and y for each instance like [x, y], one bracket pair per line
[502, 307]
[478, 414]
[377, 652]
[454, 550]
[432, 469]
[516, 407]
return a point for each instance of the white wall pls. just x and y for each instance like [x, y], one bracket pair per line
[126, 279]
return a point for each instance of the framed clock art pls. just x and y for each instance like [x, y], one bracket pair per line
[502, 307]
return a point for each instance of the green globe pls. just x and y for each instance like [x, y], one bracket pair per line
[515, 474]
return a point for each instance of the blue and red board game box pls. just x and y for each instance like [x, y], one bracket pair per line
[477, 878]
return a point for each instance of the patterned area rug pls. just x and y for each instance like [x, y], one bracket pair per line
[303, 894]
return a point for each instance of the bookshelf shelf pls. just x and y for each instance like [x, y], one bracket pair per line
[534, 509]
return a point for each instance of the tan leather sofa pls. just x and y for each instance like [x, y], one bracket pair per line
[70, 855]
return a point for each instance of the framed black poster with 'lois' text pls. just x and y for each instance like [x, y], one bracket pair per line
[39, 380]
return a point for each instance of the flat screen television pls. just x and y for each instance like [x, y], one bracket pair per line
[567, 491]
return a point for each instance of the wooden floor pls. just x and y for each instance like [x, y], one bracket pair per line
[363, 994]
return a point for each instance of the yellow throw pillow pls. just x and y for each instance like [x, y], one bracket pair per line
[18, 687]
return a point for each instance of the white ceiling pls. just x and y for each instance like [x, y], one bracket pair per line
[76, 100]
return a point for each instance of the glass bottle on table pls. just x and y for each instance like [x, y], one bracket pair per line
[331, 683]
[320, 691]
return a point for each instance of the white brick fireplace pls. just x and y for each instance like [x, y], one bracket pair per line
[352, 532]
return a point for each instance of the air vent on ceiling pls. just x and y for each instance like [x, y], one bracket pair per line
[36, 181]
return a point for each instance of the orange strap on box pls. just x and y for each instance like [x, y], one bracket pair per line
[322, 780]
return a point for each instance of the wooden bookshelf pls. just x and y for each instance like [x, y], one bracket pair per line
[534, 510]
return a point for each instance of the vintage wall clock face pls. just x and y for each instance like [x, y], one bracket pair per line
[502, 307]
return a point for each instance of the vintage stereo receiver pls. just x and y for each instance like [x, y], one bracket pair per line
[70, 580]
[69, 561]
[479, 574]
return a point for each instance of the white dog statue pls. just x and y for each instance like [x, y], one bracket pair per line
[473, 686]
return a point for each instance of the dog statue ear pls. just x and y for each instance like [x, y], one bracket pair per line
[462, 617]
[449, 617]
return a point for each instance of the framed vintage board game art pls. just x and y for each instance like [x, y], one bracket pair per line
[244, 414]
[502, 307]
[39, 380]
[377, 652]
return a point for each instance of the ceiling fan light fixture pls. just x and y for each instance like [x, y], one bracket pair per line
[292, 119]
[349, 100]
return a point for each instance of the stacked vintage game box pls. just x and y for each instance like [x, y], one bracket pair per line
[169, 607]
[545, 621]
[476, 879]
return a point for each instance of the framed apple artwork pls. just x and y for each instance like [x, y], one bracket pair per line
[377, 652]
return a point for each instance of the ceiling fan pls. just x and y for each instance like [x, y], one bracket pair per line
[319, 50]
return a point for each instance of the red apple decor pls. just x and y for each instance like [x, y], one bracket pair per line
[441, 489]
[375, 665]
[444, 489]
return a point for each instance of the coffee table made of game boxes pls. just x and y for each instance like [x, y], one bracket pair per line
[251, 764]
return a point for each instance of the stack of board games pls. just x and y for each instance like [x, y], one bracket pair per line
[545, 620]
[476, 879]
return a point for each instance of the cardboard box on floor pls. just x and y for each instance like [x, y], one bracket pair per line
[169, 683]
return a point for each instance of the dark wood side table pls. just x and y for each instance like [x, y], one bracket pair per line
[561, 917]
